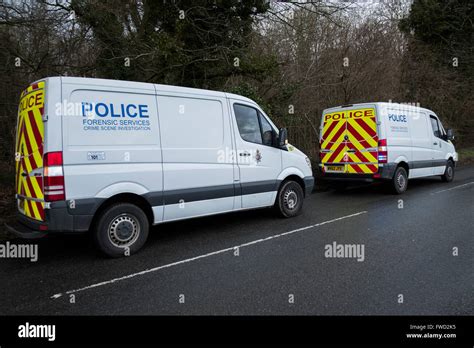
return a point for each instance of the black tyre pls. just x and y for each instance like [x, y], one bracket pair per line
[290, 199]
[121, 230]
[448, 175]
[400, 181]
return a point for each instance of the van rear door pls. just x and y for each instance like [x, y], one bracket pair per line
[349, 141]
[29, 152]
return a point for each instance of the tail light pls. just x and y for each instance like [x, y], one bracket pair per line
[53, 181]
[382, 151]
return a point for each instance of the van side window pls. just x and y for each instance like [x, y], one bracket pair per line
[435, 126]
[267, 131]
[248, 123]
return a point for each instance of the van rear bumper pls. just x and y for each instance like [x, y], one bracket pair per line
[385, 172]
[58, 219]
[23, 231]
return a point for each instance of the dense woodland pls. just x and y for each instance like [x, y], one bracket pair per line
[294, 59]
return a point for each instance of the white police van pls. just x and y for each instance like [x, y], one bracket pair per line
[388, 141]
[115, 157]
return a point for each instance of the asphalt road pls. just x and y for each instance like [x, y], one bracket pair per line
[407, 251]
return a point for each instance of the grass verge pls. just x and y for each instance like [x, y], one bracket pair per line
[466, 156]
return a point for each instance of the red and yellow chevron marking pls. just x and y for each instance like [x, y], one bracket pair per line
[350, 137]
[29, 150]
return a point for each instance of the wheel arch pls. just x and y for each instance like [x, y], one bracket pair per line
[405, 166]
[451, 158]
[125, 197]
[292, 173]
[296, 178]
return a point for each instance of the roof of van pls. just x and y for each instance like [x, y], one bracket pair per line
[149, 86]
[383, 104]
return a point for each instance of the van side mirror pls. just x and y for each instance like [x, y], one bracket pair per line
[450, 134]
[282, 137]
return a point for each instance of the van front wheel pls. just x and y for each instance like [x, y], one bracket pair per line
[122, 229]
[290, 199]
[400, 181]
[448, 175]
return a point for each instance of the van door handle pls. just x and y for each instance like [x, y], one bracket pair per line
[435, 143]
[244, 153]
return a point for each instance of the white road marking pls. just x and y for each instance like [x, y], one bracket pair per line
[453, 188]
[115, 280]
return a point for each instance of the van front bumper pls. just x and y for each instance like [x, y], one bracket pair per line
[309, 185]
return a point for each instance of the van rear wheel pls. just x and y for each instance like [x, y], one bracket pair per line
[400, 181]
[122, 229]
[448, 175]
[289, 199]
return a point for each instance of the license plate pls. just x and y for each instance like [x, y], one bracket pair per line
[334, 168]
